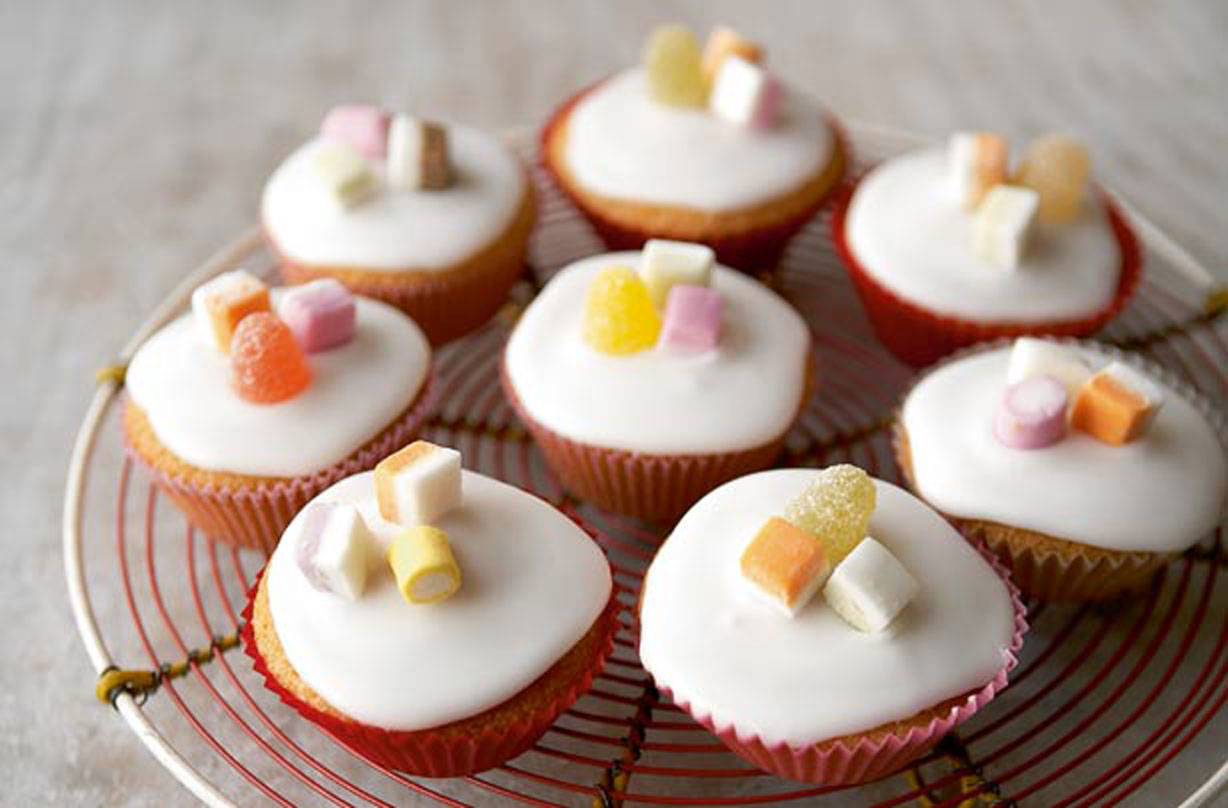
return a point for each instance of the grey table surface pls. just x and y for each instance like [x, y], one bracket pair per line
[136, 137]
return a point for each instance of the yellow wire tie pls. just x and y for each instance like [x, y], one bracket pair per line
[140, 684]
[113, 373]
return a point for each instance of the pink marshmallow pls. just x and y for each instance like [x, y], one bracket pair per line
[692, 318]
[746, 94]
[320, 314]
[1032, 413]
[365, 128]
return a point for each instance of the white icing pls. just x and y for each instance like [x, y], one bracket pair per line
[1161, 493]
[909, 232]
[533, 583]
[744, 394]
[398, 230]
[815, 677]
[623, 144]
[356, 390]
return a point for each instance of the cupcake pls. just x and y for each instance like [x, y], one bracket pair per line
[242, 416]
[827, 627]
[949, 247]
[385, 615]
[433, 219]
[1085, 469]
[647, 379]
[709, 148]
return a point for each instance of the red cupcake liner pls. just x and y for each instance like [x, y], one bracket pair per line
[918, 336]
[755, 251]
[861, 757]
[255, 516]
[430, 753]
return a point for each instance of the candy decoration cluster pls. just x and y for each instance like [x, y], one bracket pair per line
[822, 543]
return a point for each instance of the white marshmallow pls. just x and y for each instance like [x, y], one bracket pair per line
[418, 484]
[665, 264]
[744, 93]
[1002, 224]
[1032, 357]
[334, 549]
[405, 143]
[976, 161]
[869, 587]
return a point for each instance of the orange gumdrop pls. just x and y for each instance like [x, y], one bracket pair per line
[266, 364]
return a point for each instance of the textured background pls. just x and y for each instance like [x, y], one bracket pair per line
[135, 138]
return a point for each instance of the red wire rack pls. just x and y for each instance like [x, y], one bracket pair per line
[1106, 699]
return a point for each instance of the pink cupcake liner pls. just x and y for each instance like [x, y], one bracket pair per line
[861, 757]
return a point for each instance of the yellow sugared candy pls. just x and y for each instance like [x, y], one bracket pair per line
[1056, 167]
[619, 318]
[836, 508]
[673, 66]
[422, 561]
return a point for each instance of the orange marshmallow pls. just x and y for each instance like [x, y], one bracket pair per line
[1116, 405]
[724, 42]
[785, 563]
[221, 303]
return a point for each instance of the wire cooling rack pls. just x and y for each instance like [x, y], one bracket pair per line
[1112, 704]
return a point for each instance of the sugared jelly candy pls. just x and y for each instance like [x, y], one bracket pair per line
[1056, 167]
[321, 314]
[870, 587]
[1002, 224]
[724, 42]
[786, 564]
[1116, 405]
[219, 304]
[619, 317]
[1032, 413]
[745, 94]
[333, 548]
[836, 508]
[363, 127]
[423, 564]
[419, 483]
[674, 68]
[266, 364]
[976, 162]
[692, 319]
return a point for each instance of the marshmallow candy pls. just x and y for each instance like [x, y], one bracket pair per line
[745, 94]
[418, 484]
[870, 587]
[320, 313]
[619, 318]
[334, 548]
[836, 508]
[1032, 357]
[266, 364]
[673, 67]
[786, 564]
[1002, 224]
[418, 156]
[1056, 167]
[363, 127]
[219, 304]
[422, 562]
[976, 162]
[664, 263]
[1032, 413]
[344, 174]
[722, 43]
[692, 319]
[1116, 405]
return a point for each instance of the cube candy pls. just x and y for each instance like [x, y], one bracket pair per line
[619, 317]
[692, 319]
[418, 156]
[786, 564]
[870, 587]
[1002, 224]
[673, 67]
[1039, 357]
[266, 364]
[334, 548]
[321, 314]
[745, 94]
[344, 174]
[664, 263]
[976, 161]
[1057, 168]
[1032, 413]
[219, 304]
[1116, 405]
[423, 565]
[418, 484]
[365, 128]
[836, 507]
[722, 43]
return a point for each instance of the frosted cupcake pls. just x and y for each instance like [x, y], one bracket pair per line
[1085, 470]
[242, 415]
[649, 378]
[709, 148]
[385, 613]
[948, 247]
[433, 219]
[827, 627]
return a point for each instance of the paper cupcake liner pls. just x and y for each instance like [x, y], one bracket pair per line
[919, 336]
[878, 752]
[446, 305]
[437, 752]
[1050, 567]
[756, 250]
[652, 487]
[254, 516]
